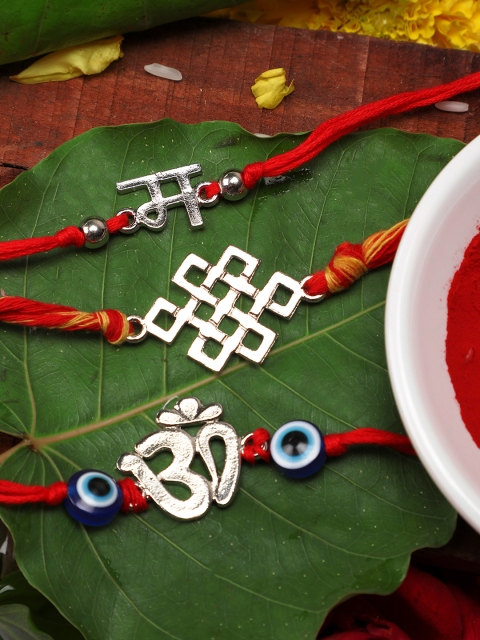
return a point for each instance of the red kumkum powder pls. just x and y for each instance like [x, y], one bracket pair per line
[463, 337]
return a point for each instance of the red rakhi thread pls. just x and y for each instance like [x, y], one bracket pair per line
[67, 237]
[351, 261]
[336, 444]
[112, 323]
[348, 264]
[257, 446]
[15, 493]
[338, 126]
[133, 499]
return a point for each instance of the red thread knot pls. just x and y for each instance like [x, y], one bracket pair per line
[133, 498]
[55, 493]
[257, 444]
[70, 236]
[252, 174]
[115, 224]
[210, 190]
[117, 327]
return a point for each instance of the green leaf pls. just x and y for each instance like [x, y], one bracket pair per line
[15, 624]
[284, 552]
[33, 27]
[43, 618]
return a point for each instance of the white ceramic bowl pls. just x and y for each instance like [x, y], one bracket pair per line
[432, 248]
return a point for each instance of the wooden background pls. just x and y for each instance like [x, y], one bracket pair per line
[219, 61]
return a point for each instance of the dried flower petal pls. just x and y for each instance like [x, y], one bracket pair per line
[270, 88]
[72, 62]
[161, 71]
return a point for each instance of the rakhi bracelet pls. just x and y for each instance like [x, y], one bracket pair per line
[233, 185]
[298, 449]
[349, 262]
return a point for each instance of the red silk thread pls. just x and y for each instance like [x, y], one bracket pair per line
[133, 499]
[349, 262]
[16, 493]
[334, 128]
[67, 237]
[23, 311]
[336, 444]
[257, 446]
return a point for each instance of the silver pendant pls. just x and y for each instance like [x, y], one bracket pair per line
[159, 205]
[224, 308]
[220, 488]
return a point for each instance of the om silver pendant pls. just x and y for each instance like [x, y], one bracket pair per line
[220, 488]
[263, 299]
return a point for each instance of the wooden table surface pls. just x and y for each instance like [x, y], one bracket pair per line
[219, 60]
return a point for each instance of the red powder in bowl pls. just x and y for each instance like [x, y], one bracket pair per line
[463, 337]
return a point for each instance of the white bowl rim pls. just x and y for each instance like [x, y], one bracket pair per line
[413, 409]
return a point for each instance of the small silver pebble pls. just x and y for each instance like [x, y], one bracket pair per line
[96, 232]
[452, 105]
[231, 185]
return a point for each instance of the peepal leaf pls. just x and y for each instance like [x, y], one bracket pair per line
[274, 562]
[42, 620]
[15, 624]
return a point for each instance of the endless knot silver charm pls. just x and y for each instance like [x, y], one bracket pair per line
[159, 204]
[224, 308]
[220, 489]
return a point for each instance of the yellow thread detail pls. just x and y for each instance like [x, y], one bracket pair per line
[351, 269]
[374, 243]
[94, 322]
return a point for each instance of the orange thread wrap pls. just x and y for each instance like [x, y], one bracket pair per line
[351, 261]
[112, 323]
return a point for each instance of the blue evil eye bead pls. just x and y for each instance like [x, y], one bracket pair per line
[298, 449]
[93, 497]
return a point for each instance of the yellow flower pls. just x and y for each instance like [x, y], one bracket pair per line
[445, 23]
[270, 88]
[72, 62]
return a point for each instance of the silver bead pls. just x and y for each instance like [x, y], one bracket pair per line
[96, 232]
[231, 185]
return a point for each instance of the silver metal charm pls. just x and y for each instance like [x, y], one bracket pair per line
[96, 232]
[232, 186]
[223, 308]
[220, 489]
[158, 205]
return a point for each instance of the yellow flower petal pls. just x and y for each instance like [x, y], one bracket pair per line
[270, 88]
[72, 62]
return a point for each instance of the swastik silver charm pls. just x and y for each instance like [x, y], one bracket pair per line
[159, 204]
[224, 308]
[220, 489]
